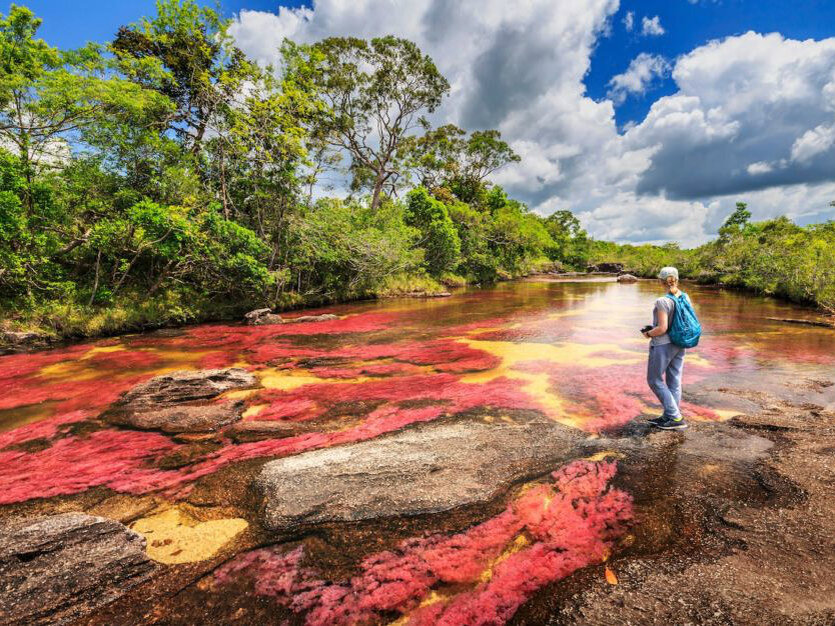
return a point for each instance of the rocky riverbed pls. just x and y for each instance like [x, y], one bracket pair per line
[480, 459]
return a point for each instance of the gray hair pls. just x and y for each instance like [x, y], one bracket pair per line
[666, 272]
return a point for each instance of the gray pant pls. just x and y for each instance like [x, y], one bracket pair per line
[666, 361]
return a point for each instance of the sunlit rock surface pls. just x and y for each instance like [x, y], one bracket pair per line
[479, 576]
[424, 469]
[259, 317]
[177, 402]
[56, 568]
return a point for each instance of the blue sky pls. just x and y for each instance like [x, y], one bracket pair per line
[71, 23]
[686, 25]
[648, 134]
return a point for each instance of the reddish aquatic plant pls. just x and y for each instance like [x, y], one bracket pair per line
[543, 536]
[115, 459]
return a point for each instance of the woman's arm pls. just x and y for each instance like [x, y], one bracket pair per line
[662, 325]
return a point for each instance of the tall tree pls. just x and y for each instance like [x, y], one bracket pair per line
[446, 156]
[375, 92]
[186, 54]
[49, 98]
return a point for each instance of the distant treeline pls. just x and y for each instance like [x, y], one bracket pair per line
[776, 257]
[164, 177]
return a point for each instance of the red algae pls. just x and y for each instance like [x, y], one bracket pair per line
[543, 536]
[394, 368]
[115, 459]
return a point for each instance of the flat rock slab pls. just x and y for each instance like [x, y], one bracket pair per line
[55, 569]
[430, 468]
[179, 402]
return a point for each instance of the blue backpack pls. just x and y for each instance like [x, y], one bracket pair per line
[685, 328]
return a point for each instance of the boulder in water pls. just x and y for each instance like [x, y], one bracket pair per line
[627, 278]
[430, 468]
[261, 317]
[179, 402]
[58, 568]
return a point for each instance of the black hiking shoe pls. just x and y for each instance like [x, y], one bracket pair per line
[668, 423]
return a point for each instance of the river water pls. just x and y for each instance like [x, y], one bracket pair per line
[567, 350]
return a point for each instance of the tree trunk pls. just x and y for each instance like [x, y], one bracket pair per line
[378, 190]
[96, 281]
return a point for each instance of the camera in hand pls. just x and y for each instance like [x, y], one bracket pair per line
[646, 328]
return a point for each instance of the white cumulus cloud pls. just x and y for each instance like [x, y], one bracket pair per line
[642, 70]
[751, 118]
[652, 26]
[813, 142]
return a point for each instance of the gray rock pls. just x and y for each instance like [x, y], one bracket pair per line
[179, 402]
[58, 568]
[261, 317]
[13, 341]
[325, 317]
[627, 278]
[429, 468]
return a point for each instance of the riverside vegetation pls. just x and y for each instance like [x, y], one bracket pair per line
[166, 178]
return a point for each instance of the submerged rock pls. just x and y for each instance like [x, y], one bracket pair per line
[430, 468]
[627, 278]
[58, 568]
[178, 402]
[261, 317]
[325, 317]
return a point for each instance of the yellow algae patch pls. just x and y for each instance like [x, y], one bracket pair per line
[697, 359]
[173, 536]
[515, 546]
[434, 597]
[605, 454]
[726, 414]
[75, 370]
[582, 354]
[287, 380]
[537, 384]
[102, 350]
[255, 409]
[18, 416]
[238, 394]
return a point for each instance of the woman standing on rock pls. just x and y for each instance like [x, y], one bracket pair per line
[666, 359]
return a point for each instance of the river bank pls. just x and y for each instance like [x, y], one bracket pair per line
[20, 332]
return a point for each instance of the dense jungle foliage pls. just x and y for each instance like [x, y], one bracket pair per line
[164, 177]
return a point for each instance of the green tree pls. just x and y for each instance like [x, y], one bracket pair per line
[446, 156]
[49, 98]
[374, 93]
[186, 54]
[438, 236]
[735, 222]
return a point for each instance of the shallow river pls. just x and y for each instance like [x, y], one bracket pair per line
[568, 352]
